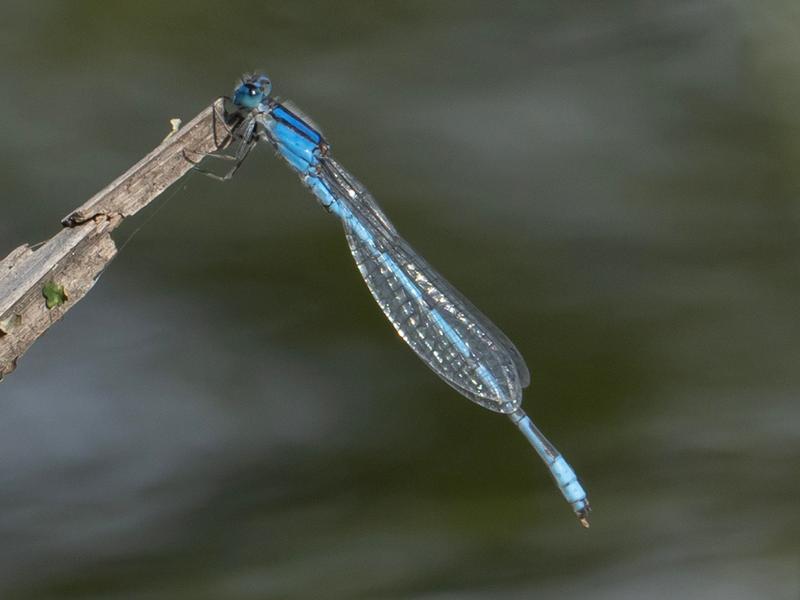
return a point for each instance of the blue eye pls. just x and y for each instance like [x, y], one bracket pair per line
[253, 90]
[248, 96]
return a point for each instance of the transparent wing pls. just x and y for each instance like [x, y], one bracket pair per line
[357, 199]
[448, 333]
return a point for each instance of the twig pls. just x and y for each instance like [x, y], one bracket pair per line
[68, 264]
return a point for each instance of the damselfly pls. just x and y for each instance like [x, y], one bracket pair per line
[446, 331]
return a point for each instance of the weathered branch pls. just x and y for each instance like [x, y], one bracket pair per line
[68, 264]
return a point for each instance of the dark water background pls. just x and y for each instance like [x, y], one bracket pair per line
[228, 415]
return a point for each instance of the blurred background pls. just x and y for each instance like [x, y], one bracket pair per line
[228, 415]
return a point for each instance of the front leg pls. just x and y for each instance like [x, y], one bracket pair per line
[248, 134]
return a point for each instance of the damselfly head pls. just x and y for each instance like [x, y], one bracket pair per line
[252, 91]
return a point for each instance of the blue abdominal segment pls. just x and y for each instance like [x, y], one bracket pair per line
[565, 477]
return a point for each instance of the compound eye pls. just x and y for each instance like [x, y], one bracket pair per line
[264, 84]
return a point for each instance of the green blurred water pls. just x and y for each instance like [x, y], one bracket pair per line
[227, 415]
